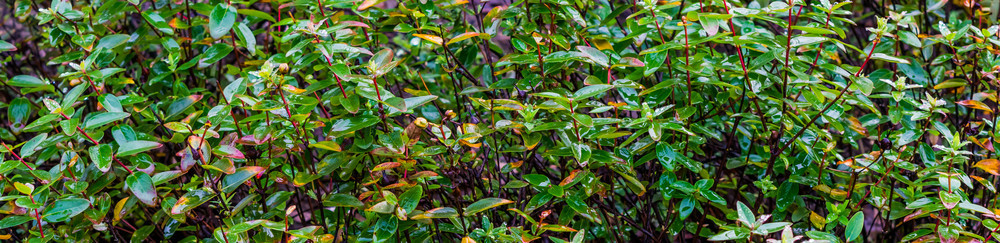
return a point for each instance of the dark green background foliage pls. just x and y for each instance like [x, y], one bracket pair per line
[498, 121]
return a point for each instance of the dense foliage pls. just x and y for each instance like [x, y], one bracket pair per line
[498, 121]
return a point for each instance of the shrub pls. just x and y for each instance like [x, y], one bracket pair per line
[496, 121]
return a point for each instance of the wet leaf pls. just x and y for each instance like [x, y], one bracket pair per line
[141, 185]
[192, 199]
[484, 204]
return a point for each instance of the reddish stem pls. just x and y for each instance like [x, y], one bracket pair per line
[739, 50]
[92, 140]
[319, 4]
[820, 50]
[16, 156]
[378, 94]
[687, 58]
[38, 217]
[869, 57]
[609, 75]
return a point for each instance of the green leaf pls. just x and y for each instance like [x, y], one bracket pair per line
[245, 226]
[414, 102]
[591, 91]
[180, 105]
[594, 55]
[158, 22]
[854, 226]
[713, 197]
[237, 87]
[255, 13]
[408, 200]
[807, 40]
[727, 236]
[26, 81]
[102, 119]
[214, 54]
[888, 58]
[234, 180]
[135, 147]
[142, 234]
[111, 103]
[813, 30]
[191, 200]
[221, 20]
[13, 220]
[111, 41]
[141, 186]
[950, 200]
[247, 37]
[64, 209]
[745, 214]
[18, 110]
[343, 200]
[395, 104]
[101, 156]
[382, 62]
[28, 149]
[437, 213]
[346, 126]
[484, 204]
[6, 46]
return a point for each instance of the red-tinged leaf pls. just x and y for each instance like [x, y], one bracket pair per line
[557, 228]
[949, 200]
[913, 215]
[229, 151]
[385, 166]
[975, 104]
[437, 213]
[367, 4]
[386, 152]
[141, 185]
[241, 175]
[432, 38]
[191, 200]
[355, 24]
[251, 140]
[463, 36]
[991, 166]
[983, 143]
[630, 62]
[422, 174]
[572, 176]
[857, 126]
[484, 204]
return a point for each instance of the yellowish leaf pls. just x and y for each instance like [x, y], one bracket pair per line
[975, 104]
[367, 4]
[857, 127]
[570, 178]
[601, 44]
[539, 39]
[991, 166]
[118, 209]
[462, 37]
[432, 38]
[985, 143]
[385, 166]
[950, 84]
[292, 89]
[817, 220]
[838, 194]
[557, 228]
